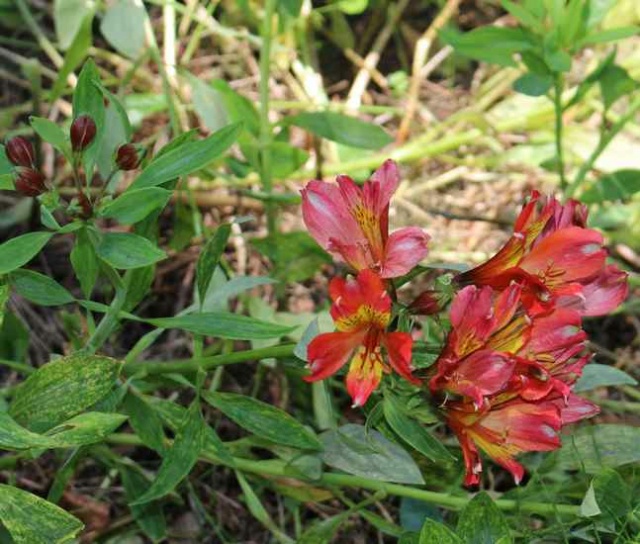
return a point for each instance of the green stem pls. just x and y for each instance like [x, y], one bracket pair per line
[110, 320]
[265, 125]
[207, 363]
[277, 468]
[605, 140]
[557, 105]
[42, 40]
[19, 367]
[620, 405]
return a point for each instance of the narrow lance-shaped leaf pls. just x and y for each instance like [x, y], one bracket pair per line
[39, 288]
[20, 250]
[209, 259]
[187, 158]
[264, 420]
[223, 325]
[125, 251]
[180, 457]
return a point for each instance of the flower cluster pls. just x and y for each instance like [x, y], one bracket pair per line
[516, 347]
[352, 224]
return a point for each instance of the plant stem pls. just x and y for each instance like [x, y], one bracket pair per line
[207, 363]
[110, 320]
[265, 125]
[18, 367]
[605, 140]
[277, 468]
[42, 40]
[557, 104]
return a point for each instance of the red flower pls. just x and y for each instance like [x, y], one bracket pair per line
[557, 259]
[505, 377]
[352, 223]
[361, 311]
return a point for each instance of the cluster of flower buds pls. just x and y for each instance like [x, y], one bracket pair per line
[29, 181]
[516, 347]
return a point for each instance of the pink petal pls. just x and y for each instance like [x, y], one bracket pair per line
[606, 292]
[326, 214]
[381, 186]
[405, 248]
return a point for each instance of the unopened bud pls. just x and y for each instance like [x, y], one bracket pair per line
[427, 303]
[30, 182]
[20, 152]
[127, 157]
[83, 131]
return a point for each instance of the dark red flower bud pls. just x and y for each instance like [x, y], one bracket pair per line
[20, 152]
[83, 131]
[30, 182]
[127, 157]
[427, 303]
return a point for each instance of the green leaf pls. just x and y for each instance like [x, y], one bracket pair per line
[600, 446]
[492, 44]
[612, 494]
[223, 325]
[123, 27]
[61, 389]
[351, 449]
[209, 259]
[352, 7]
[574, 21]
[133, 206]
[298, 254]
[286, 159]
[145, 421]
[238, 108]
[433, 531]
[75, 55]
[531, 84]
[148, 516]
[124, 250]
[39, 288]
[88, 100]
[180, 457]
[615, 83]
[68, 16]
[610, 35]
[258, 511]
[482, 523]
[595, 375]
[20, 250]
[85, 262]
[264, 420]
[618, 185]
[52, 133]
[209, 104]
[14, 437]
[87, 428]
[342, 129]
[524, 16]
[322, 531]
[188, 158]
[412, 432]
[32, 520]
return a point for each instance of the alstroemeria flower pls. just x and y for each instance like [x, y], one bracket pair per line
[352, 223]
[557, 259]
[504, 378]
[361, 311]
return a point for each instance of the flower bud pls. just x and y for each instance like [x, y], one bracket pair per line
[127, 157]
[30, 182]
[20, 152]
[83, 131]
[429, 302]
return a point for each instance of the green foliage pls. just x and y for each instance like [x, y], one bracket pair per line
[354, 450]
[61, 389]
[39, 288]
[18, 251]
[32, 520]
[432, 531]
[264, 420]
[123, 27]
[596, 375]
[124, 250]
[482, 523]
[209, 259]
[134, 206]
